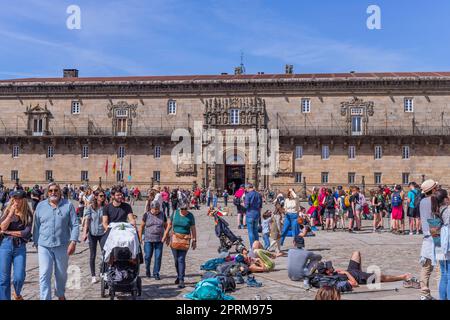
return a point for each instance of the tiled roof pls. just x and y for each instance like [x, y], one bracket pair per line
[323, 76]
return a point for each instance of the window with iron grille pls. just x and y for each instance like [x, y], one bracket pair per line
[157, 153]
[234, 116]
[157, 176]
[405, 153]
[325, 152]
[324, 177]
[14, 175]
[378, 152]
[172, 107]
[15, 151]
[377, 179]
[84, 175]
[351, 178]
[306, 105]
[409, 105]
[50, 151]
[298, 177]
[352, 152]
[121, 152]
[405, 177]
[76, 107]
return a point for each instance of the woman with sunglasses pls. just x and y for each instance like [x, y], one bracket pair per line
[15, 232]
[93, 227]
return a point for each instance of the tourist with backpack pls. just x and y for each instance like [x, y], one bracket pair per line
[397, 209]
[440, 229]
[413, 199]
[329, 202]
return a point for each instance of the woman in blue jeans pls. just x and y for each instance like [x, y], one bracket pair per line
[15, 231]
[290, 220]
[151, 232]
[182, 225]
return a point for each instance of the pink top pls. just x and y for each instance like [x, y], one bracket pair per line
[239, 193]
[165, 196]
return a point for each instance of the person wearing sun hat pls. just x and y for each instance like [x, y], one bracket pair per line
[426, 255]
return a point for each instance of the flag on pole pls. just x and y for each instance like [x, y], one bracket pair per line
[114, 166]
[106, 166]
[129, 171]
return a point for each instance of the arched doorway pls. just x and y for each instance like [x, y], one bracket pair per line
[234, 172]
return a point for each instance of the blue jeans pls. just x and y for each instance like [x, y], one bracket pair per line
[266, 240]
[180, 263]
[252, 229]
[209, 202]
[444, 284]
[166, 208]
[290, 223]
[215, 202]
[11, 256]
[48, 258]
[149, 248]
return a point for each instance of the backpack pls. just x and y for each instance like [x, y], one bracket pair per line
[336, 281]
[232, 268]
[417, 199]
[212, 264]
[436, 224]
[227, 282]
[208, 289]
[330, 202]
[236, 201]
[347, 201]
[396, 199]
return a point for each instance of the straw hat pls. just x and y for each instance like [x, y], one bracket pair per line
[428, 185]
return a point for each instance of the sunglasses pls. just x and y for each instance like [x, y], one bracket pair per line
[53, 190]
[100, 195]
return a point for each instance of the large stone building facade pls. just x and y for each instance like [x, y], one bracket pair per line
[335, 129]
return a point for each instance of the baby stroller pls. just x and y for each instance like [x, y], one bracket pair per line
[226, 237]
[121, 260]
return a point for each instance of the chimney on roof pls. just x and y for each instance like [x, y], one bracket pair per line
[70, 73]
[260, 72]
[224, 73]
[289, 69]
[352, 72]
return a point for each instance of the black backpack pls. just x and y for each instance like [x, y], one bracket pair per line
[322, 280]
[330, 202]
[228, 283]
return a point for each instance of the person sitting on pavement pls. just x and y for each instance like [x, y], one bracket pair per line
[258, 259]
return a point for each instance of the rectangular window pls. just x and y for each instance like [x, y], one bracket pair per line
[324, 177]
[85, 152]
[234, 116]
[377, 179]
[84, 175]
[405, 178]
[298, 152]
[121, 113]
[351, 178]
[14, 175]
[325, 152]
[121, 152]
[306, 105]
[156, 176]
[38, 127]
[352, 152]
[76, 107]
[298, 177]
[378, 152]
[50, 151]
[122, 127]
[405, 152]
[157, 153]
[172, 107]
[409, 105]
[48, 175]
[15, 151]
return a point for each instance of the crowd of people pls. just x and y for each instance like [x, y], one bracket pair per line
[55, 226]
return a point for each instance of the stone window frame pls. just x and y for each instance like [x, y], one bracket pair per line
[325, 177]
[157, 152]
[376, 175]
[48, 175]
[298, 177]
[84, 175]
[234, 117]
[405, 178]
[351, 178]
[122, 110]
[50, 152]
[305, 104]
[298, 152]
[378, 155]
[406, 153]
[85, 152]
[121, 152]
[352, 154]
[14, 175]
[172, 107]
[15, 151]
[325, 155]
[157, 176]
[41, 114]
[75, 107]
[408, 104]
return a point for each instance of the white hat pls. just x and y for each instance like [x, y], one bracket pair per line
[428, 185]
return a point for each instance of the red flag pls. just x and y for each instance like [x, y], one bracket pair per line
[106, 166]
[114, 167]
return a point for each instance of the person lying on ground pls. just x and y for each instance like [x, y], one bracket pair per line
[356, 277]
[259, 260]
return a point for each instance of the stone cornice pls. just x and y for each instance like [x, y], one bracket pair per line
[226, 88]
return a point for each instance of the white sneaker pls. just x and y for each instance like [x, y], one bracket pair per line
[411, 233]
[94, 280]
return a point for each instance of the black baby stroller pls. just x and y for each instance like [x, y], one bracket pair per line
[226, 237]
[121, 274]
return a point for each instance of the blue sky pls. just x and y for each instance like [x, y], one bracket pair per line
[170, 37]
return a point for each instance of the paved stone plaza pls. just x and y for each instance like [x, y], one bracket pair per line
[393, 254]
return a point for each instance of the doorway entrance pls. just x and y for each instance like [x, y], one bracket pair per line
[234, 177]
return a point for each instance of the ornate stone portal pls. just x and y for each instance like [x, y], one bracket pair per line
[122, 115]
[357, 108]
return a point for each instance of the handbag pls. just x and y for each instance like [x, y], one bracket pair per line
[436, 224]
[180, 241]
